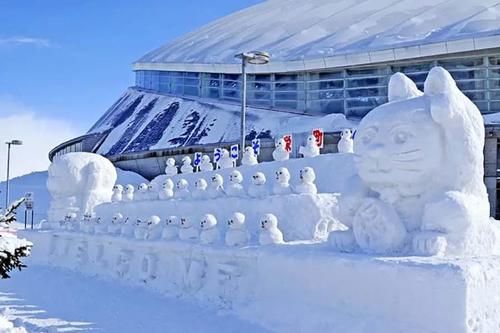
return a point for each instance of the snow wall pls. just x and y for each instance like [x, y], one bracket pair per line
[293, 287]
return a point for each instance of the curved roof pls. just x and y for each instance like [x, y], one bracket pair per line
[306, 30]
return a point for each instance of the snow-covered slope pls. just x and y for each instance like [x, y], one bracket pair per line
[141, 121]
[295, 30]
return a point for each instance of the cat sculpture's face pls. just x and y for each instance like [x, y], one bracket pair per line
[399, 146]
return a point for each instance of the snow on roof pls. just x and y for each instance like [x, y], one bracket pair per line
[141, 121]
[298, 30]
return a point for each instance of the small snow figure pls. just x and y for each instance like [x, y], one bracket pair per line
[280, 153]
[249, 157]
[216, 186]
[117, 193]
[69, 222]
[200, 189]
[115, 226]
[182, 189]
[187, 232]
[205, 164]
[269, 232]
[167, 190]
[186, 165]
[128, 227]
[346, 143]
[225, 161]
[235, 189]
[237, 234]
[87, 224]
[171, 168]
[171, 230]
[152, 191]
[142, 192]
[306, 185]
[141, 229]
[282, 184]
[258, 187]
[154, 228]
[101, 227]
[209, 232]
[128, 195]
[311, 148]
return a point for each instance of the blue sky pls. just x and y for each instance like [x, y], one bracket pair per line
[71, 59]
[64, 62]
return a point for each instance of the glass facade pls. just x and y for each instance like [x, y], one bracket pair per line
[351, 91]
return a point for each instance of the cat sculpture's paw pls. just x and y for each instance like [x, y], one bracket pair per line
[377, 227]
[429, 244]
[342, 241]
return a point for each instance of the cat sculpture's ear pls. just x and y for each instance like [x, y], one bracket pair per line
[446, 100]
[401, 88]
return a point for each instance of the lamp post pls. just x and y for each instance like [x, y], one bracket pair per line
[9, 143]
[254, 58]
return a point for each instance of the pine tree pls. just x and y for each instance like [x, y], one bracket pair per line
[12, 249]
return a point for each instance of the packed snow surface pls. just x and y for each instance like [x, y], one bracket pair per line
[295, 30]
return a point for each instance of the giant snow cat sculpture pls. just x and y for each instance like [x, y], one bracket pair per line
[420, 160]
[78, 182]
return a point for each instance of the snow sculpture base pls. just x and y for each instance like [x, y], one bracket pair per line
[295, 287]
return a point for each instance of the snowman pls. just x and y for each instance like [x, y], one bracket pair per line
[141, 229]
[187, 232]
[167, 190]
[209, 232]
[70, 222]
[127, 227]
[269, 231]
[216, 188]
[117, 195]
[115, 227]
[142, 192]
[237, 233]
[306, 185]
[100, 227]
[280, 153]
[171, 168]
[225, 161]
[200, 189]
[311, 148]
[171, 230]
[182, 189]
[87, 224]
[258, 188]
[186, 165]
[206, 164]
[128, 194]
[346, 143]
[235, 189]
[152, 191]
[249, 157]
[154, 229]
[282, 184]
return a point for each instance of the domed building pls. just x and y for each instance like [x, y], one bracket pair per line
[330, 65]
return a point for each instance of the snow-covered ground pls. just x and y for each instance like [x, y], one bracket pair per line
[51, 300]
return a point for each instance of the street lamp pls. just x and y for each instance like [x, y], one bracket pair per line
[9, 143]
[254, 58]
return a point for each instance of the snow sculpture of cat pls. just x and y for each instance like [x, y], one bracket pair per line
[280, 153]
[206, 164]
[249, 157]
[420, 158]
[79, 182]
[171, 169]
[346, 143]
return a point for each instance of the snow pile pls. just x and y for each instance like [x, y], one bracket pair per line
[8, 327]
[420, 158]
[78, 182]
